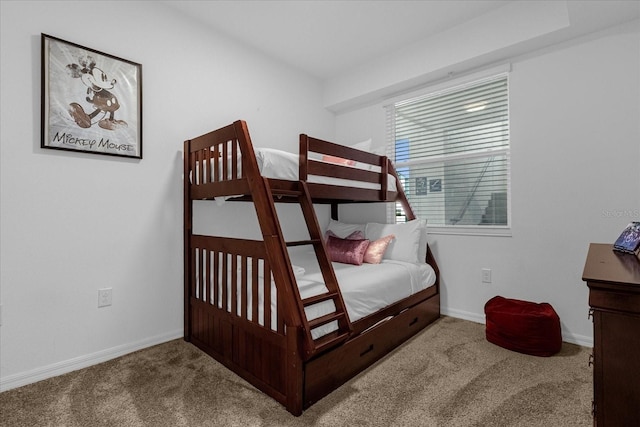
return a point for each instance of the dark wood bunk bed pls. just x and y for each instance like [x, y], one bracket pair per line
[275, 351]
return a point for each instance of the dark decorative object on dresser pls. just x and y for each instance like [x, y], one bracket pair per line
[629, 240]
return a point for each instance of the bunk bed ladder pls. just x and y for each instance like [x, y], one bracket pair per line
[344, 328]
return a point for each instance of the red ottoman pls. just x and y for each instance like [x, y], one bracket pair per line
[523, 326]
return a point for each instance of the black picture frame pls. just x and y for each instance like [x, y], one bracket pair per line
[91, 100]
[421, 186]
[435, 185]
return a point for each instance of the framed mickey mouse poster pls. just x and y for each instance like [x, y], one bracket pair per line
[91, 101]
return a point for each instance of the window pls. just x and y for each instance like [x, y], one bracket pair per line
[451, 152]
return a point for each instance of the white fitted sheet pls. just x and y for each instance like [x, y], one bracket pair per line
[365, 289]
[278, 164]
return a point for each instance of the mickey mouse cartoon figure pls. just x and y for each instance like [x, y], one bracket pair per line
[103, 101]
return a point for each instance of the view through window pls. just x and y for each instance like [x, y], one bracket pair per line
[451, 152]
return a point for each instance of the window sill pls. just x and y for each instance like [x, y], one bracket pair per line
[470, 231]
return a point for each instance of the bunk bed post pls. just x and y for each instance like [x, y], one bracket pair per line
[334, 211]
[385, 165]
[294, 373]
[304, 157]
[187, 221]
[404, 202]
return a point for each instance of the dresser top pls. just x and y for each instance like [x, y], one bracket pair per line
[605, 265]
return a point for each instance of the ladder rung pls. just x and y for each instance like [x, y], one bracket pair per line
[304, 242]
[318, 298]
[330, 340]
[285, 192]
[325, 319]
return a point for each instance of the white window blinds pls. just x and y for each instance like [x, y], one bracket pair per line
[451, 150]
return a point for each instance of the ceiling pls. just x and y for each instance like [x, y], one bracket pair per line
[328, 38]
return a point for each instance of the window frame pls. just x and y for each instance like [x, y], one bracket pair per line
[441, 89]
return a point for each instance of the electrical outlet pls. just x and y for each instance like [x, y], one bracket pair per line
[486, 275]
[104, 297]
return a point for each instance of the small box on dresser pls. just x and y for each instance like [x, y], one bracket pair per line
[613, 279]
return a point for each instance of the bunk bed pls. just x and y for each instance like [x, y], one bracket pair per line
[243, 299]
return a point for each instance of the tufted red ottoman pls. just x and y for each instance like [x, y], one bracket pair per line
[523, 326]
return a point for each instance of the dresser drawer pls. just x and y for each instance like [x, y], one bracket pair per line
[606, 299]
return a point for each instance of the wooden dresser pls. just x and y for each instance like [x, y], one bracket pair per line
[614, 297]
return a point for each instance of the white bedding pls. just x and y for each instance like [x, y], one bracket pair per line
[365, 289]
[278, 164]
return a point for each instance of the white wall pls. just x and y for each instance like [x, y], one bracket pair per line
[575, 144]
[73, 223]
[476, 42]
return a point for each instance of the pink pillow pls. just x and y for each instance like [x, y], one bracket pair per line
[346, 251]
[338, 160]
[375, 250]
[356, 235]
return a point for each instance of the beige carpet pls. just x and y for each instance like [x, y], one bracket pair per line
[448, 375]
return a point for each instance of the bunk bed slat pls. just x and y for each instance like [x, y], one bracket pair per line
[234, 284]
[349, 194]
[254, 290]
[225, 281]
[216, 280]
[345, 172]
[216, 165]
[266, 309]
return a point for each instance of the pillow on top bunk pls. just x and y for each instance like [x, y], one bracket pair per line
[346, 251]
[362, 146]
[274, 163]
[368, 147]
[406, 245]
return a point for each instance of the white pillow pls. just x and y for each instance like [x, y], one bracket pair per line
[274, 163]
[406, 245]
[422, 249]
[342, 229]
[363, 146]
[367, 146]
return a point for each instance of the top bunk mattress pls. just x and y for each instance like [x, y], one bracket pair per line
[283, 165]
[278, 164]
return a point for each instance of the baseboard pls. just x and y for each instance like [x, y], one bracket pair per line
[581, 340]
[460, 314]
[66, 366]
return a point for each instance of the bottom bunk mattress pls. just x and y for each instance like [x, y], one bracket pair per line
[365, 288]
